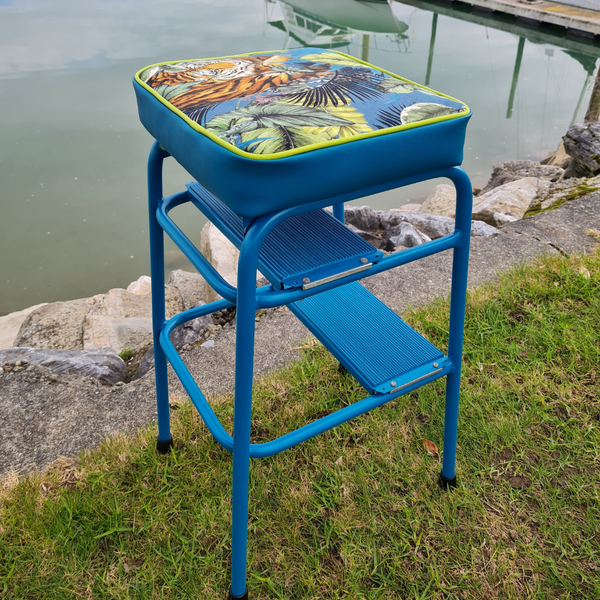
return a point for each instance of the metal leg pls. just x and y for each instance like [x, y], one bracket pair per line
[244, 367]
[460, 265]
[338, 212]
[157, 272]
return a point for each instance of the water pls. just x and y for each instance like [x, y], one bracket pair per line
[73, 154]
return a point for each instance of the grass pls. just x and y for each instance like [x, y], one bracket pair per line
[355, 513]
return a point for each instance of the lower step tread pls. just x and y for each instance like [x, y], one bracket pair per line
[369, 339]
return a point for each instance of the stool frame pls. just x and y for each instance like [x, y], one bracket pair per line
[248, 299]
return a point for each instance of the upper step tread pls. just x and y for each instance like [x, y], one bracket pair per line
[312, 244]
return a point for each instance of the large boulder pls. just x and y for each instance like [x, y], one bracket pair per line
[119, 319]
[441, 201]
[11, 324]
[560, 158]
[362, 217]
[513, 170]
[121, 304]
[102, 363]
[407, 236]
[191, 286]
[142, 286]
[506, 203]
[582, 142]
[222, 255]
[58, 325]
[123, 320]
[131, 333]
[184, 335]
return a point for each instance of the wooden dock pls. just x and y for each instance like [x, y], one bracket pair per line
[576, 20]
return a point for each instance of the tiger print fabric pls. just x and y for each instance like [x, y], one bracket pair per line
[273, 102]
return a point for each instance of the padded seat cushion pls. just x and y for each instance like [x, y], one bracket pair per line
[262, 119]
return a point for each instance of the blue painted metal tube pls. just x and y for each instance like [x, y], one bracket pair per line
[193, 254]
[338, 212]
[194, 313]
[290, 439]
[157, 273]
[244, 370]
[337, 418]
[189, 383]
[270, 299]
[460, 265]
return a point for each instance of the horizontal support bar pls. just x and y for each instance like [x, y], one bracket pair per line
[337, 418]
[287, 440]
[271, 299]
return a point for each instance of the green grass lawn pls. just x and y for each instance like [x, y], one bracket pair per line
[355, 513]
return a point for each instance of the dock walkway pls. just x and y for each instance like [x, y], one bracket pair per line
[570, 15]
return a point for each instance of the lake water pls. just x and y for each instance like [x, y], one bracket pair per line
[73, 153]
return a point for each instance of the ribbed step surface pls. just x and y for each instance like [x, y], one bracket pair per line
[311, 245]
[369, 339]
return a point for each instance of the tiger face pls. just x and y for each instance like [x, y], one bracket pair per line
[207, 71]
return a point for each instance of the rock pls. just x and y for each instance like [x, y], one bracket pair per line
[146, 364]
[222, 255]
[432, 226]
[141, 286]
[11, 323]
[560, 158]
[557, 193]
[575, 170]
[58, 325]
[191, 286]
[102, 363]
[375, 240]
[514, 170]
[582, 142]
[130, 333]
[507, 202]
[185, 334]
[208, 344]
[362, 217]
[441, 201]
[481, 229]
[121, 304]
[222, 317]
[123, 320]
[407, 236]
[192, 331]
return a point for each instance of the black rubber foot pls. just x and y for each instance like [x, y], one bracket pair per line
[244, 596]
[164, 447]
[447, 484]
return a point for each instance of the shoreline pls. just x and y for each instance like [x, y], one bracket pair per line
[62, 411]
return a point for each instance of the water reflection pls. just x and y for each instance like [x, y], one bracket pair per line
[72, 151]
[334, 23]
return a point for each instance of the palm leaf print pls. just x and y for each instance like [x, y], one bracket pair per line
[271, 140]
[269, 114]
[391, 85]
[390, 117]
[344, 83]
[356, 123]
[426, 110]
[331, 58]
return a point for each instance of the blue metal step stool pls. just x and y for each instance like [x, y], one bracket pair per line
[272, 139]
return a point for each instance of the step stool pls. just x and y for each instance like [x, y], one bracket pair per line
[272, 139]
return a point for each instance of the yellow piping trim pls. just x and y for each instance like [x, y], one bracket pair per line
[286, 153]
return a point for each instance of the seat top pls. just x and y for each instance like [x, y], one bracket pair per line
[272, 105]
